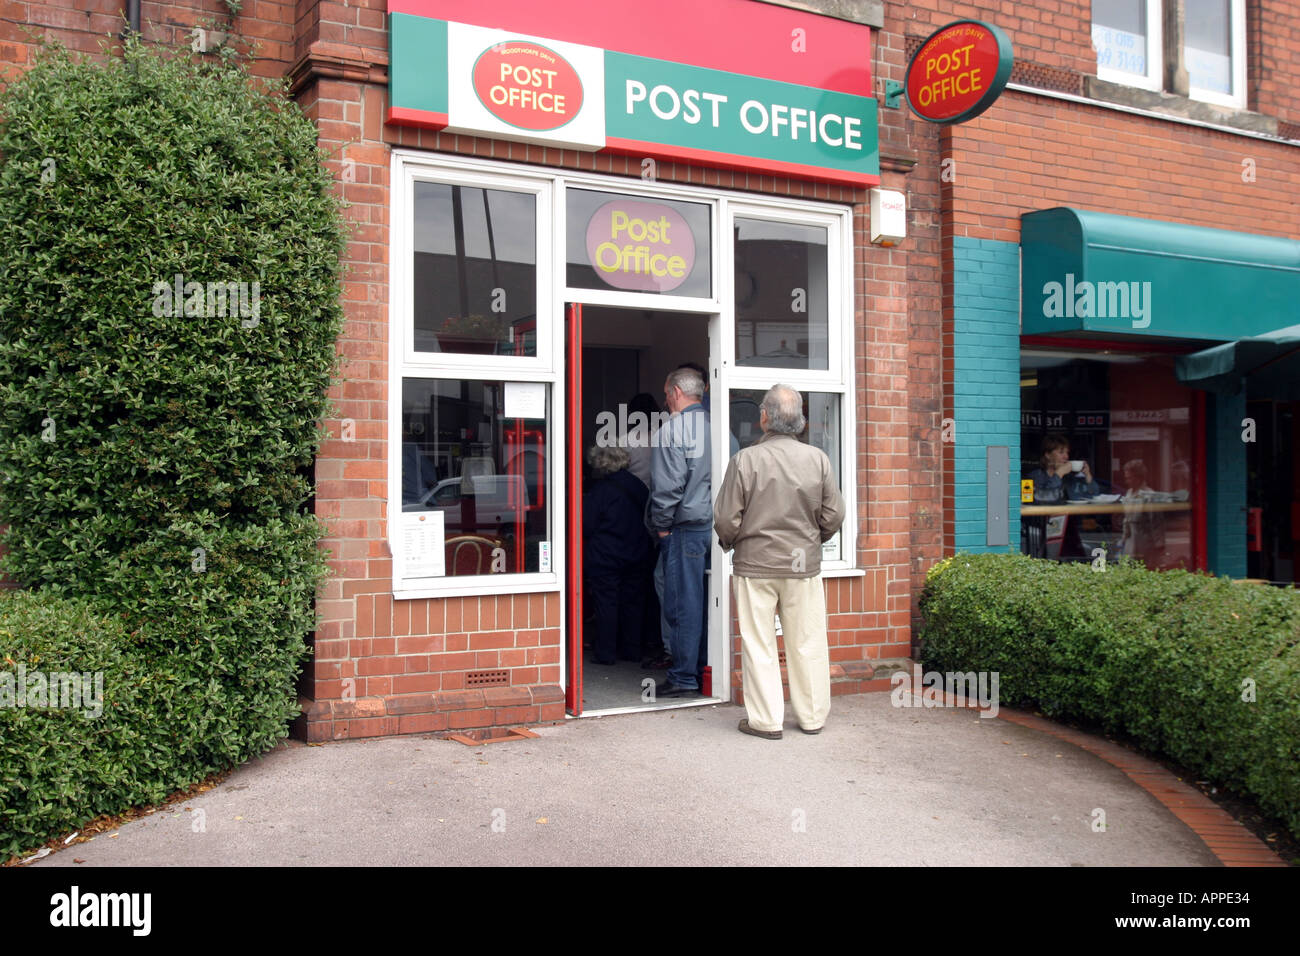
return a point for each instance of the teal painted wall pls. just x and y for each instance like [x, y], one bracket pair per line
[986, 381]
[1226, 484]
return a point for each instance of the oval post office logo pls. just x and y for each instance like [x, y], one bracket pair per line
[958, 72]
[527, 85]
[640, 246]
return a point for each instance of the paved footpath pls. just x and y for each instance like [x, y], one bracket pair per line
[881, 785]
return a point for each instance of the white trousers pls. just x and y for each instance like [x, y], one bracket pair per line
[801, 602]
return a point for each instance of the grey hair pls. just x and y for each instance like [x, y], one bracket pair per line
[688, 380]
[784, 407]
[605, 460]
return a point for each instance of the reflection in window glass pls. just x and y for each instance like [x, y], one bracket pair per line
[1108, 445]
[1119, 34]
[485, 471]
[821, 409]
[475, 270]
[637, 243]
[1209, 45]
[781, 295]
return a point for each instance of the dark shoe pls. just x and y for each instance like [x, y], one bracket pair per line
[660, 663]
[807, 731]
[665, 689]
[744, 728]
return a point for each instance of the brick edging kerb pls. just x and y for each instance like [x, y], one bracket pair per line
[1230, 841]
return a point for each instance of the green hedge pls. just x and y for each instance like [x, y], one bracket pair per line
[1163, 656]
[155, 452]
[61, 766]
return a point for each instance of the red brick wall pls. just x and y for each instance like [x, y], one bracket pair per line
[87, 25]
[1031, 152]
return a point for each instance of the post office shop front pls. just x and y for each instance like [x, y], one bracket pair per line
[578, 204]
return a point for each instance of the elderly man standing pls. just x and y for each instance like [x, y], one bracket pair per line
[778, 503]
[680, 514]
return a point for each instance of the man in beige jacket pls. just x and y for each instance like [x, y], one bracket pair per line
[778, 503]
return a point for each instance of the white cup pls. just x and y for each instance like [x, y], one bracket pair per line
[1076, 464]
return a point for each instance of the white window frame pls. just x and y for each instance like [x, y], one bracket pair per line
[630, 299]
[1237, 50]
[1154, 78]
[838, 376]
[409, 166]
[405, 363]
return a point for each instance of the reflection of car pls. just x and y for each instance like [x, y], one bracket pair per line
[497, 501]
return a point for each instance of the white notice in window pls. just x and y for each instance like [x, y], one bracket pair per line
[525, 400]
[423, 554]
[831, 548]
[544, 556]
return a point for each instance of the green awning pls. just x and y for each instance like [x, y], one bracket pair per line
[1094, 272]
[1269, 365]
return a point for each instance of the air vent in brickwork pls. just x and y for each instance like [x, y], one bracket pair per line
[486, 678]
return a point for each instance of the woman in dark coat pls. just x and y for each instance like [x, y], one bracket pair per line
[616, 554]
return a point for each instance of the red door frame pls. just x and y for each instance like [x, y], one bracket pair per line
[573, 527]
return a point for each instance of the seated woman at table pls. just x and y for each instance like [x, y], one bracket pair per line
[1055, 480]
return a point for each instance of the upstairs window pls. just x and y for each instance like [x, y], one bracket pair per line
[1215, 51]
[1126, 35]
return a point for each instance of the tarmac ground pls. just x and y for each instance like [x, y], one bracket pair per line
[880, 786]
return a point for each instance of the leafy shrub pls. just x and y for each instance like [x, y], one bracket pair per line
[62, 765]
[155, 449]
[1166, 657]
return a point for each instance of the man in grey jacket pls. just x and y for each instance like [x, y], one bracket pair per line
[680, 515]
[777, 505]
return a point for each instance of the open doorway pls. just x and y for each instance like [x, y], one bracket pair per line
[623, 357]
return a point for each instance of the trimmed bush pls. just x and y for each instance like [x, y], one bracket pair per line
[67, 759]
[1169, 658]
[169, 304]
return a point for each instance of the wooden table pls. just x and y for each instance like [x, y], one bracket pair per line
[1034, 531]
[1114, 508]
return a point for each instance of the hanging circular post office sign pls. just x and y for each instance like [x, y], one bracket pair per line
[958, 72]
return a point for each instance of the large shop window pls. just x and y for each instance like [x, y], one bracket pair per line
[794, 325]
[474, 489]
[471, 345]
[475, 270]
[782, 314]
[1107, 442]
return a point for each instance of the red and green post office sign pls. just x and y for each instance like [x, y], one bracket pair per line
[485, 81]
[958, 72]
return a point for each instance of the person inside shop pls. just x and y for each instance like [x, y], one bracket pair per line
[1144, 534]
[1058, 480]
[617, 553]
[642, 410]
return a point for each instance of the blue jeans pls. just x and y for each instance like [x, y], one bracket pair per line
[665, 629]
[686, 552]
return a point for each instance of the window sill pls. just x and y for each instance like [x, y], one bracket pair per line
[1180, 107]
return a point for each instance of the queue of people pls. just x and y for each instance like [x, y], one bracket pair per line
[777, 504]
